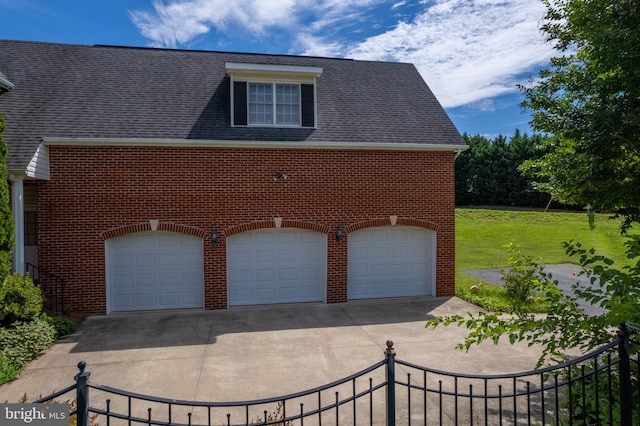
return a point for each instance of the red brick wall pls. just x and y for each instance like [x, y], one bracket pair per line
[99, 192]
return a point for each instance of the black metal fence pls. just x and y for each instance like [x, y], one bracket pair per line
[51, 286]
[600, 387]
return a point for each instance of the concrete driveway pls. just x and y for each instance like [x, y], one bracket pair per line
[259, 352]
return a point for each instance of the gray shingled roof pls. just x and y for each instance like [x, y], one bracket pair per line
[79, 91]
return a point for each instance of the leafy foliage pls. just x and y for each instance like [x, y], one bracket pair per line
[20, 299]
[6, 220]
[487, 173]
[596, 401]
[8, 370]
[24, 341]
[62, 325]
[566, 325]
[522, 275]
[589, 100]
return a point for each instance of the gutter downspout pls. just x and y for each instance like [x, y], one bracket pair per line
[17, 203]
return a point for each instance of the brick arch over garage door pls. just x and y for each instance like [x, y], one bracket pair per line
[147, 226]
[387, 260]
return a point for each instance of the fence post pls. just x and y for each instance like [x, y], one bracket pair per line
[625, 375]
[82, 395]
[390, 357]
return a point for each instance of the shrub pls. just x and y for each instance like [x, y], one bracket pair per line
[522, 276]
[24, 341]
[597, 400]
[8, 370]
[20, 299]
[62, 324]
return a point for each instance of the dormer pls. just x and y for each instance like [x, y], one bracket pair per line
[273, 95]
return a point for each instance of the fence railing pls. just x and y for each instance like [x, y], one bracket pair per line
[51, 286]
[600, 387]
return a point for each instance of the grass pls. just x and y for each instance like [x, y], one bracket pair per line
[482, 233]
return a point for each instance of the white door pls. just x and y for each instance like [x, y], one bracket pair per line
[154, 270]
[391, 261]
[276, 266]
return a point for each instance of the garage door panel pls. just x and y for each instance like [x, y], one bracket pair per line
[145, 281]
[169, 279]
[169, 299]
[145, 259]
[155, 270]
[169, 260]
[124, 300]
[390, 261]
[265, 275]
[146, 300]
[288, 274]
[276, 266]
[265, 256]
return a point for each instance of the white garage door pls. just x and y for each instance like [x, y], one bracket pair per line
[276, 266]
[154, 270]
[391, 261]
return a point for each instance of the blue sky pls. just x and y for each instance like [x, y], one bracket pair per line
[471, 53]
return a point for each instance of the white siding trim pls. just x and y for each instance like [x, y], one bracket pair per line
[234, 68]
[39, 165]
[190, 143]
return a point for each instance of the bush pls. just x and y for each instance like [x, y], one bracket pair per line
[597, 400]
[8, 370]
[522, 276]
[20, 299]
[62, 324]
[23, 342]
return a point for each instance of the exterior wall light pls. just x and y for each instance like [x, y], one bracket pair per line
[214, 236]
[339, 233]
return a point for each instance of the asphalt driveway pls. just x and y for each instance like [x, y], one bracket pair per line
[565, 274]
[257, 352]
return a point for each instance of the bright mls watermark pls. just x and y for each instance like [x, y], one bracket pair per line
[34, 414]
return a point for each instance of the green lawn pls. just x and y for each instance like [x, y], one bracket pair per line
[481, 233]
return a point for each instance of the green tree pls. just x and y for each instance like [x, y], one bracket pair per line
[487, 173]
[6, 219]
[589, 100]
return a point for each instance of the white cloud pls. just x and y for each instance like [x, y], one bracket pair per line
[468, 51]
[180, 21]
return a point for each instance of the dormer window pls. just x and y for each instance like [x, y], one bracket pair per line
[271, 103]
[273, 95]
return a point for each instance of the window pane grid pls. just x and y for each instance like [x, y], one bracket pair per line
[288, 104]
[260, 103]
[264, 99]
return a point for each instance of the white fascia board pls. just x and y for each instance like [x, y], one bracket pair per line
[234, 67]
[6, 83]
[190, 143]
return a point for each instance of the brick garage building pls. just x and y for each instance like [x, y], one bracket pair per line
[162, 179]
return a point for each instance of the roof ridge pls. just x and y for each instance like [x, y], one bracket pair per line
[284, 55]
